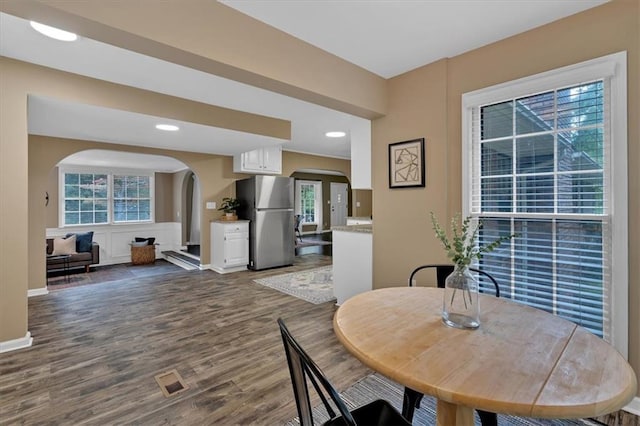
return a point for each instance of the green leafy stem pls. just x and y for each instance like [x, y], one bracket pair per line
[463, 248]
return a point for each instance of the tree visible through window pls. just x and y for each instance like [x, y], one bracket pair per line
[308, 202]
[101, 198]
[131, 198]
[545, 157]
[85, 198]
[541, 176]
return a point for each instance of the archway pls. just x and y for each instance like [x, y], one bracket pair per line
[313, 198]
[191, 222]
[114, 234]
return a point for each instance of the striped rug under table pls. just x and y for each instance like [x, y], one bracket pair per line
[375, 386]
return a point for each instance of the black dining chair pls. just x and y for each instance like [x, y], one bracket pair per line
[302, 367]
[297, 227]
[412, 398]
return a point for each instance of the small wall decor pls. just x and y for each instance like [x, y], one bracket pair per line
[406, 164]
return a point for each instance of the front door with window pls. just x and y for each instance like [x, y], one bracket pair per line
[339, 205]
[309, 203]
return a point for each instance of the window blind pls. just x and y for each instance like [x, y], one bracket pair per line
[540, 169]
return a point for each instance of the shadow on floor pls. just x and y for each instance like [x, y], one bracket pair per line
[100, 274]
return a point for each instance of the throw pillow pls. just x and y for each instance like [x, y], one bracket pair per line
[84, 241]
[139, 243]
[64, 246]
[149, 240]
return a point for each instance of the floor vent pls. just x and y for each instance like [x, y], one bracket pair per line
[171, 383]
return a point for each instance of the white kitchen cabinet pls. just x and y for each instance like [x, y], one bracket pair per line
[263, 160]
[229, 246]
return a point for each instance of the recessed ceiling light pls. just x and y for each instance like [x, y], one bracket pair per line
[167, 127]
[335, 134]
[53, 32]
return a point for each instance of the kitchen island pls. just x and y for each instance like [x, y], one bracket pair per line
[352, 260]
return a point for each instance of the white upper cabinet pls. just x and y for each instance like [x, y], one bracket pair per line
[264, 160]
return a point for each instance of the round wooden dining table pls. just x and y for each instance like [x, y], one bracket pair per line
[520, 361]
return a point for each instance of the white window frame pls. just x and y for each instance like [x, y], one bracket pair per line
[318, 200]
[613, 67]
[110, 207]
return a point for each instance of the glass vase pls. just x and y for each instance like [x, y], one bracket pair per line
[460, 307]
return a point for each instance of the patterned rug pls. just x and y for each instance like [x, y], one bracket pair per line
[375, 386]
[313, 285]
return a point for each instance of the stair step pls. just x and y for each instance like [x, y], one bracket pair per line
[186, 262]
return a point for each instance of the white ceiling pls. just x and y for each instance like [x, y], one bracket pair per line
[385, 37]
[390, 37]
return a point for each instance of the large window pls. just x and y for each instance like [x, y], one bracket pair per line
[93, 198]
[309, 201]
[85, 198]
[547, 158]
[131, 198]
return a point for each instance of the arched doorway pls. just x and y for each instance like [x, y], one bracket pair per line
[140, 196]
[314, 206]
[191, 199]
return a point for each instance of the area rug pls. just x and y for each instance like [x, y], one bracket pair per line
[375, 386]
[313, 285]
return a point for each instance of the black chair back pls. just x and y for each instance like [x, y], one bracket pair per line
[302, 367]
[412, 397]
[443, 271]
[297, 226]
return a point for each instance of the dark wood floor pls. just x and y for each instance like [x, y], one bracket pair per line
[308, 240]
[97, 349]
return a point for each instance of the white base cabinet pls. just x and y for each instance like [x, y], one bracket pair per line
[229, 246]
[352, 263]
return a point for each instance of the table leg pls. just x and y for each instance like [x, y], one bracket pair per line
[448, 414]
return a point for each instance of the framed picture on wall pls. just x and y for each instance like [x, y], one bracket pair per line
[406, 164]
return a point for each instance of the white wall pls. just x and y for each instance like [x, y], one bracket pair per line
[114, 239]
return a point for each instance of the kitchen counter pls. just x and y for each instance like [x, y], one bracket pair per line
[363, 220]
[367, 229]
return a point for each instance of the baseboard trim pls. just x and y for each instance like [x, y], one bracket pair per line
[37, 292]
[228, 270]
[633, 407]
[12, 345]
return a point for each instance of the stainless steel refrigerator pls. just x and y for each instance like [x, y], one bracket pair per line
[267, 202]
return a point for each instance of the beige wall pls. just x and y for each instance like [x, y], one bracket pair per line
[294, 161]
[427, 103]
[16, 209]
[365, 198]
[402, 236]
[163, 197]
